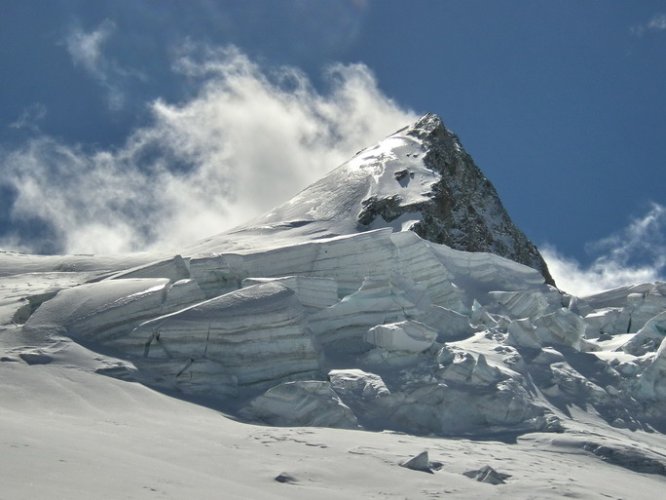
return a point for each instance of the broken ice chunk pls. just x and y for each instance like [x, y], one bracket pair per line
[421, 462]
[487, 474]
[409, 336]
[302, 403]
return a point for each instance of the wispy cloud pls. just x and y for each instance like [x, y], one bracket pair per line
[637, 254]
[30, 117]
[87, 51]
[85, 48]
[247, 140]
[655, 24]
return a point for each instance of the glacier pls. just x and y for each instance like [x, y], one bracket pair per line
[393, 295]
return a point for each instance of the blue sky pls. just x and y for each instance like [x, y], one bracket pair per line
[561, 104]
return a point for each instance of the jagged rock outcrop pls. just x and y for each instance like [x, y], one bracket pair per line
[463, 209]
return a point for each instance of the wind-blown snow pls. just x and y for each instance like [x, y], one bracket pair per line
[246, 139]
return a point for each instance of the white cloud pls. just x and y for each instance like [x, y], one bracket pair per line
[637, 254]
[30, 117]
[85, 48]
[656, 23]
[248, 140]
[87, 52]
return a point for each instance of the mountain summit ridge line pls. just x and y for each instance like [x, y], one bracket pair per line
[419, 178]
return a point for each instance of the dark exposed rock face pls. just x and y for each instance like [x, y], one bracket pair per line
[464, 210]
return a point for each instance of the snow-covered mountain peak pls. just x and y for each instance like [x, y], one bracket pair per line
[420, 178]
[341, 309]
[428, 124]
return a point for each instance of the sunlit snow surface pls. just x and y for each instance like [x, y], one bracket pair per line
[330, 206]
[301, 357]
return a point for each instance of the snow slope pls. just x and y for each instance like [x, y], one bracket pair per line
[304, 356]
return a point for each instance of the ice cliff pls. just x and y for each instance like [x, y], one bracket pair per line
[395, 293]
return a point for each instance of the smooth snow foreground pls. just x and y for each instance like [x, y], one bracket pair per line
[324, 355]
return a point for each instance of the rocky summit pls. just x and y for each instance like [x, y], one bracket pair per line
[418, 179]
[464, 210]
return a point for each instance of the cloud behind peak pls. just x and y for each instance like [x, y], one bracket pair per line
[635, 254]
[246, 140]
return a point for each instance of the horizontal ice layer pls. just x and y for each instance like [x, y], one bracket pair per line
[276, 328]
[13, 263]
[343, 326]
[347, 259]
[277, 314]
[617, 297]
[526, 304]
[375, 254]
[256, 335]
[479, 273]
[408, 336]
[174, 268]
[99, 312]
[315, 293]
